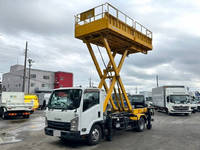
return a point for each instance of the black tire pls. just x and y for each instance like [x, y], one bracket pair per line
[166, 110]
[3, 116]
[169, 114]
[149, 126]
[1, 111]
[140, 124]
[95, 135]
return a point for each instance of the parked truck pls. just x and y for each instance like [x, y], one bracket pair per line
[12, 105]
[171, 99]
[137, 100]
[77, 113]
[92, 113]
[32, 98]
[43, 97]
[147, 97]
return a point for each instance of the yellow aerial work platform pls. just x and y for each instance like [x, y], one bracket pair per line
[108, 27]
[121, 31]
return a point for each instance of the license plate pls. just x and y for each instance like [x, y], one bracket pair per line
[56, 133]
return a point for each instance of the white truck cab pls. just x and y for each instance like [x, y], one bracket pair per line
[72, 112]
[178, 104]
[172, 99]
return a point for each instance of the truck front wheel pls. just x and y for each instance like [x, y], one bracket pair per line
[2, 113]
[140, 124]
[3, 116]
[95, 135]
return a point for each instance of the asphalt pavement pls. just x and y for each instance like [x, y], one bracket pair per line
[168, 132]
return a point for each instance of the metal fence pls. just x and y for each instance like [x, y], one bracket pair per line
[99, 13]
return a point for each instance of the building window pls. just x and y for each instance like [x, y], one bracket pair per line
[19, 85]
[32, 84]
[43, 85]
[45, 77]
[61, 78]
[33, 75]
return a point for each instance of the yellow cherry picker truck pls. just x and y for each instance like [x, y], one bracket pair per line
[94, 113]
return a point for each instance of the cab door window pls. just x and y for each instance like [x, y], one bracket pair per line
[90, 99]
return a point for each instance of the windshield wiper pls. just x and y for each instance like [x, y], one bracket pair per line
[65, 108]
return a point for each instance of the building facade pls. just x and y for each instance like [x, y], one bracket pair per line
[40, 80]
[63, 79]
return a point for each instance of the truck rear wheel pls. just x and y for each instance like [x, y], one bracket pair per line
[140, 124]
[95, 135]
[149, 126]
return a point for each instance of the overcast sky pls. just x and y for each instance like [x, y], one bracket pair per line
[48, 26]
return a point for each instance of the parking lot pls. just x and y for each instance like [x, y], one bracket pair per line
[168, 132]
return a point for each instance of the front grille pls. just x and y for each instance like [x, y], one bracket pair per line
[181, 108]
[59, 125]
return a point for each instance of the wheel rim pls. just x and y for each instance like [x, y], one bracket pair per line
[141, 124]
[95, 135]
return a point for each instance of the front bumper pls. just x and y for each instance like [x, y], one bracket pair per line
[16, 113]
[180, 111]
[63, 134]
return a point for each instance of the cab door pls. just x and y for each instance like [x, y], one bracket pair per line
[91, 112]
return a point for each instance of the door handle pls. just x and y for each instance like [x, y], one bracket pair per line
[99, 114]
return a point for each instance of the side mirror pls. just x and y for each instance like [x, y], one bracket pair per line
[168, 99]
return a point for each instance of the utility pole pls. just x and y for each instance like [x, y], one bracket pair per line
[25, 58]
[157, 80]
[30, 61]
[90, 82]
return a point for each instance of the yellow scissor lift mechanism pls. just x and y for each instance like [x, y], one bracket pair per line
[107, 27]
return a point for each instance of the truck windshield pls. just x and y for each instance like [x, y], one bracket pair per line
[136, 99]
[179, 99]
[67, 99]
[149, 99]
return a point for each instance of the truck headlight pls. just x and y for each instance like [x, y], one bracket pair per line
[74, 124]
